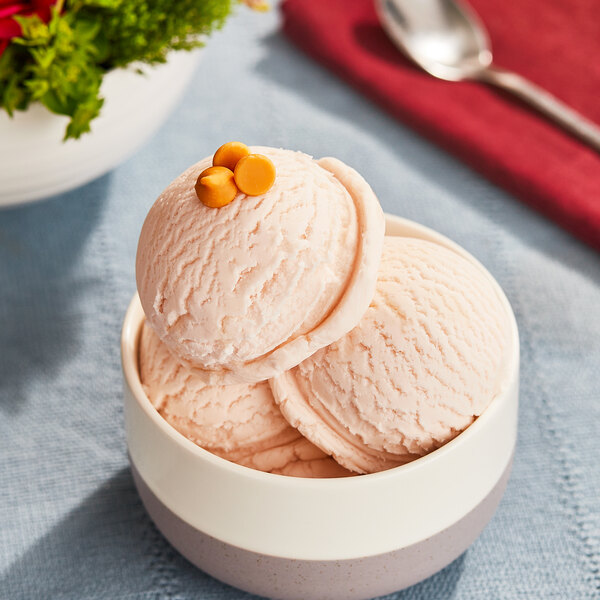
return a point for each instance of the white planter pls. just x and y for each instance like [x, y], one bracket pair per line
[34, 161]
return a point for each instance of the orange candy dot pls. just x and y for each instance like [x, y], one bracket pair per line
[215, 187]
[254, 174]
[229, 154]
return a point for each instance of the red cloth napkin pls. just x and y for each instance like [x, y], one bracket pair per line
[554, 43]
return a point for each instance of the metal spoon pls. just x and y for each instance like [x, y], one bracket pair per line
[448, 40]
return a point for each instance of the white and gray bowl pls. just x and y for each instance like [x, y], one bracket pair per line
[321, 539]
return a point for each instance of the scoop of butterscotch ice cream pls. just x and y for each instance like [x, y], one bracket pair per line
[245, 291]
[239, 422]
[425, 360]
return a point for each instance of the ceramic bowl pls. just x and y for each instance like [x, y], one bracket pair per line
[325, 539]
[34, 161]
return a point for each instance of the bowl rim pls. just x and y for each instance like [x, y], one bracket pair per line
[132, 325]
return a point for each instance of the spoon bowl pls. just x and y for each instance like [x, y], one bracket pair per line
[442, 38]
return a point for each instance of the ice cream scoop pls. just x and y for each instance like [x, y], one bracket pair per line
[239, 422]
[248, 290]
[425, 360]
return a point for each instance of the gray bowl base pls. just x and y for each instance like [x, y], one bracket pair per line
[291, 579]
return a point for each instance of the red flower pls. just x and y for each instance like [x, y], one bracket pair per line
[9, 9]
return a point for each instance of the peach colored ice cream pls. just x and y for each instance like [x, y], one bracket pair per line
[246, 291]
[424, 362]
[238, 422]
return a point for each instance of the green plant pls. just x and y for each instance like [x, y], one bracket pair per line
[61, 63]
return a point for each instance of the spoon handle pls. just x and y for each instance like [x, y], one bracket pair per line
[545, 103]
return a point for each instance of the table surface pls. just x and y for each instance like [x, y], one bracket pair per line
[71, 524]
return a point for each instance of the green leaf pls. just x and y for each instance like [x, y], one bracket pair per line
[34, 31]
[86, 31]
[82, 117]
[54, 103]
[44, 56]
[37, 87]
[13, 96]
[7, 61]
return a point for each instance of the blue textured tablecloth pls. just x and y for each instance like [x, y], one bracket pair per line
[71, 524]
